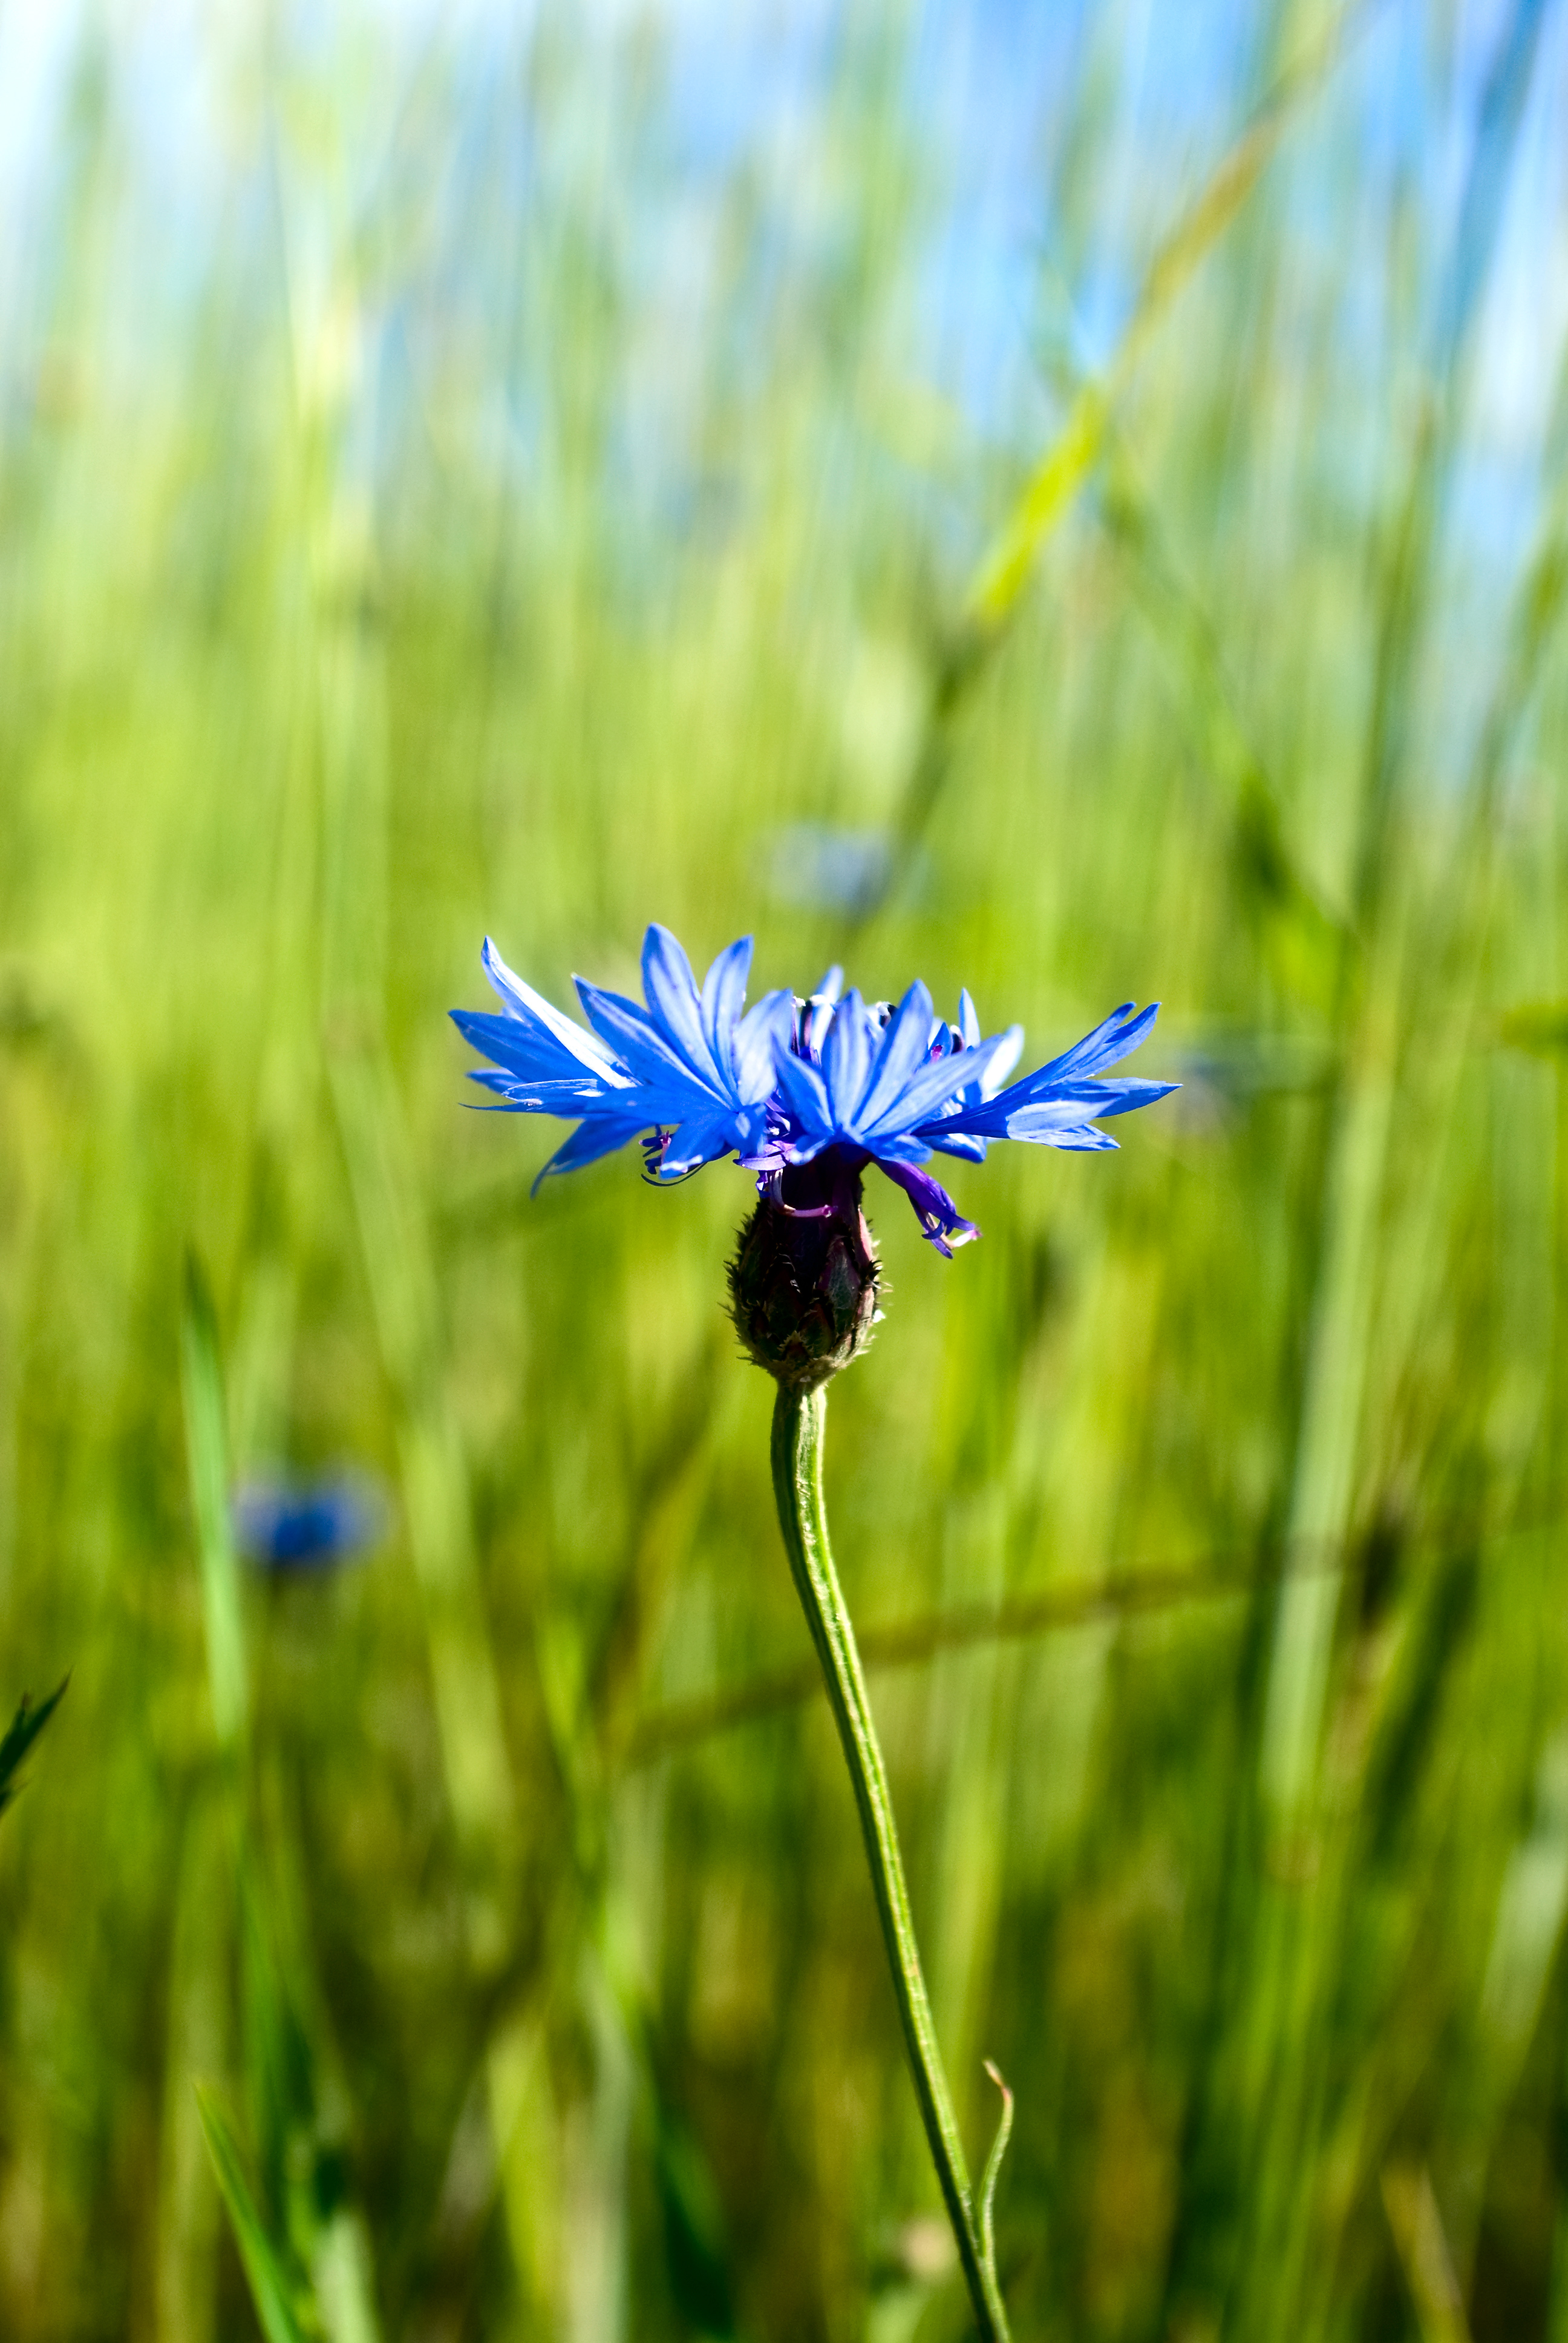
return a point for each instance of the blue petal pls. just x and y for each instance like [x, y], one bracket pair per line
[1009, 1051]
[815, 1023]
[1126, 1091]
[935, 1082]
[637, 1039]
[672, 1000]
[957, 1142]
[899, 1057]
[938, 1216]
[527, 1050]
[896, 1146]
[847, 1058]
[700, 1141]
[723, 998]
[762, 1033]
[524, 1004]
[804, 1099]
[588, 1142]
[568, 1099]
[1043, 1115]
[1069, 1078]
[748, 1129]
[1115, 1038]
[1082, 1137]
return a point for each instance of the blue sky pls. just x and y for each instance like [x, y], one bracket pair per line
[991, 89]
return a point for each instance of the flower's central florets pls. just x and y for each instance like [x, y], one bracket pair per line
[804, 1280]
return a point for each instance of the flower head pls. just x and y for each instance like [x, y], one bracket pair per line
[893, 1086]
[307, 1526]
[695, 1076]
[689, 1072]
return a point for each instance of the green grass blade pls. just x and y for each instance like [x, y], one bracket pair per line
[991, 2174]
[207, 1452]
[1004, 569]
[272, 2290]
[19, 1737]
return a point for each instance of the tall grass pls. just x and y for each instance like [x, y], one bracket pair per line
[489, 480]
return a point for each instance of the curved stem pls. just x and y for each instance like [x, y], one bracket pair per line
[797, 1421]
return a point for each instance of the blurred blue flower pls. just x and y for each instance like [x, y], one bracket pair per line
[792, 1080]
[309, 1525]
[815, 869]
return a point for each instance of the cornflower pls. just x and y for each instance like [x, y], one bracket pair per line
[696, 1077]
[807, 1094]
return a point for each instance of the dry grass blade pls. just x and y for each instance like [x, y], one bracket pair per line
[1417, 2227]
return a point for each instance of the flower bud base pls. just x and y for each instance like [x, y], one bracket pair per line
[804, 1282]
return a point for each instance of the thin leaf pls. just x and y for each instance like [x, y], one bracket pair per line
[990, 2176]
[1004, 571]
[20, 1735]
[272, 2290]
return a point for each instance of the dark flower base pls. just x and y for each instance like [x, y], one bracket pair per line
[804, 1282]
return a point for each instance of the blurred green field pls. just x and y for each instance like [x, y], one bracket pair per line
[397, 548]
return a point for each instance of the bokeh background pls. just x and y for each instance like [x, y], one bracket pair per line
[1065, 500]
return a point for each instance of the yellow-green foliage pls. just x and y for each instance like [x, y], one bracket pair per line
[468, 516]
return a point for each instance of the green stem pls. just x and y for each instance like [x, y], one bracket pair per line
[797, 1421]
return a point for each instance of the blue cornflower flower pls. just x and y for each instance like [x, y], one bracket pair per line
[892, 1086]
[827, 1080]
[291, 1526]
[690, 1074]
